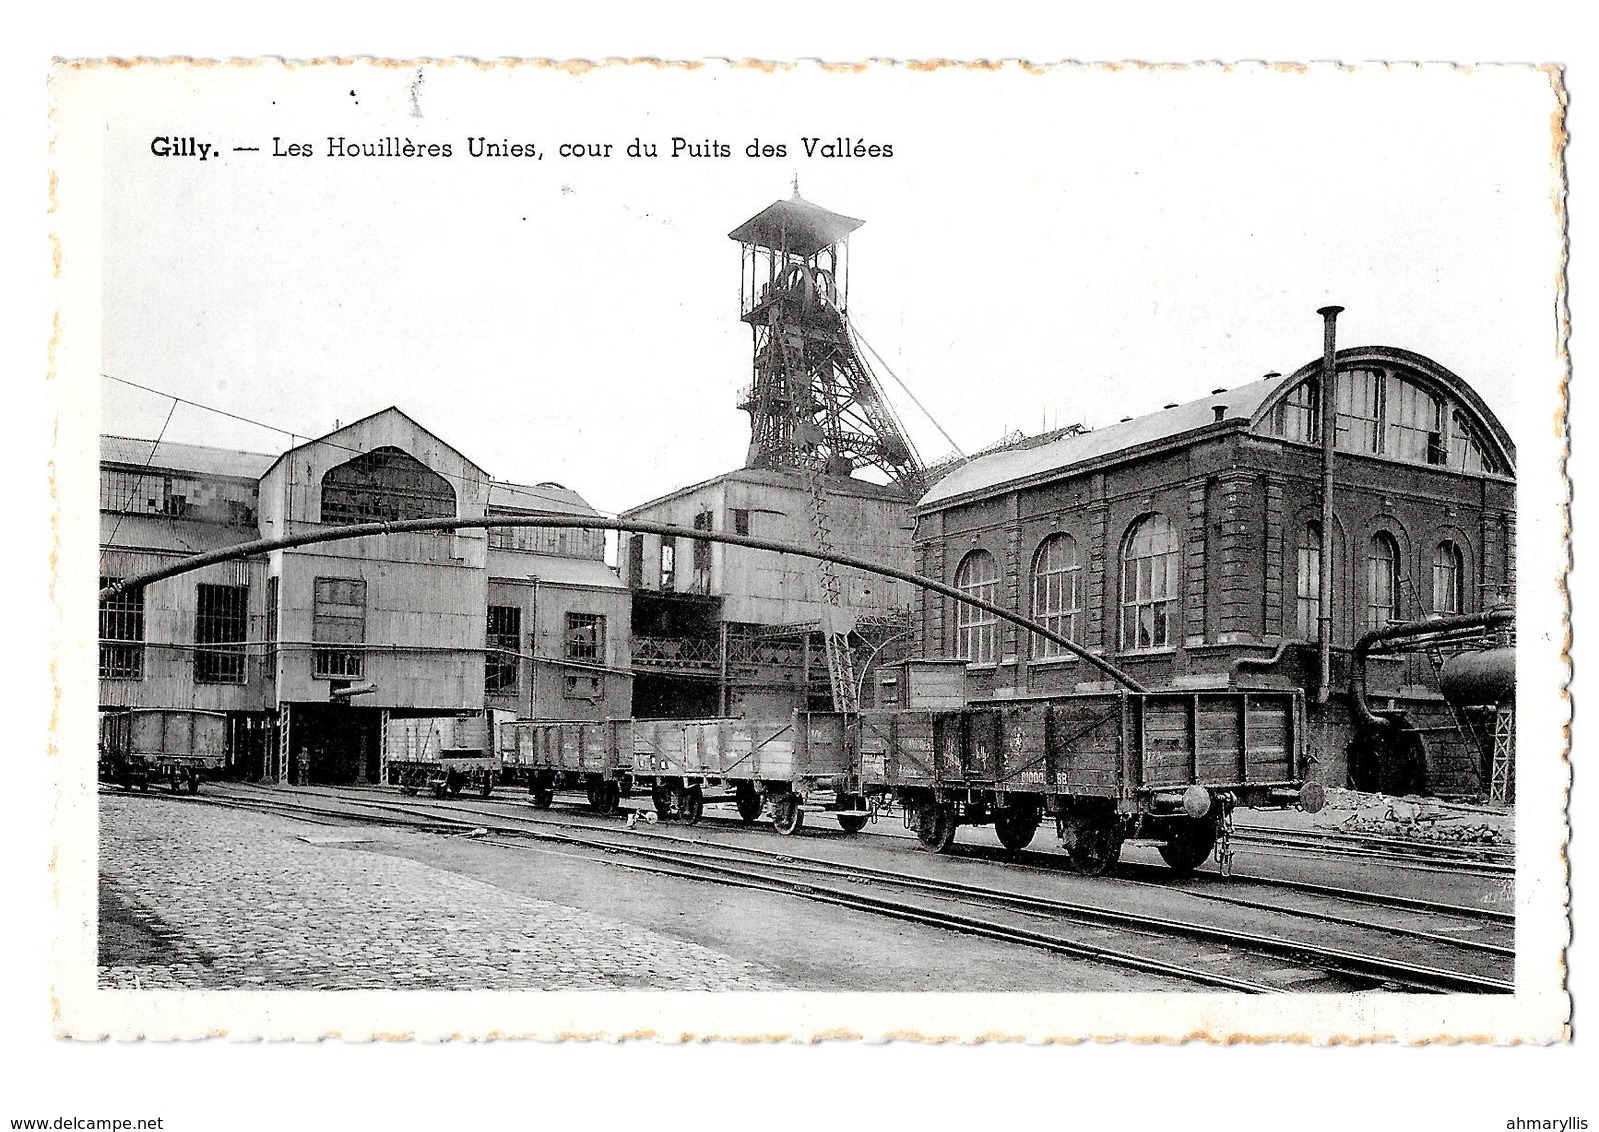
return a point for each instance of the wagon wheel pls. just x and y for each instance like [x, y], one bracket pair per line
[1096, 846]
[661, 797]
[935, 826]
[453, 783]
[486, 787]
[1191, 843]
[591, 792]
[852, 823]
[174, 780]
[691, 803]
[787, 816]
[607, 797]
[144, 785]
[543, 797]
[1015, 827]
[749, 805]
[194, 782]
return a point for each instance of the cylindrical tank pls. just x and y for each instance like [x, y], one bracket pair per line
[1485, 676]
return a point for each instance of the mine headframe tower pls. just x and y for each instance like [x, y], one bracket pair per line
[814, 407]
[813, 404]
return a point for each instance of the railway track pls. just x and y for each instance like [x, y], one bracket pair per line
[1418, 856]
[847, 885]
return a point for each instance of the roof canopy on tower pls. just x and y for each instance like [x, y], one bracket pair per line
[809, 228]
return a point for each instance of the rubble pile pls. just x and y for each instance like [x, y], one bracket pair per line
[1417, 819]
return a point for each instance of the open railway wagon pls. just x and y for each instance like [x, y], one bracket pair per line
[179, 745]
[442, 754]
[551, 755]
[1167, 767]
[791, 766]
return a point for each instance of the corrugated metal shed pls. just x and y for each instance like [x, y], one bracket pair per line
[184, 458]
[558, 571]
[547, 497]
[1000, 468]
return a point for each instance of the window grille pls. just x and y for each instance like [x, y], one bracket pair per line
[221, 624]
[1057, 596]
[977, 630]
[1149, 583]
[1307, 584]
[385, 484]
[1297, 413]
[1360, 411]
[338, 618]
[122, 634]
[502, 666]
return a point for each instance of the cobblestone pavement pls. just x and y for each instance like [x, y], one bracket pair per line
[202, 898]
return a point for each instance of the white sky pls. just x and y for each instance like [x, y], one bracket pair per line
[1078, 245]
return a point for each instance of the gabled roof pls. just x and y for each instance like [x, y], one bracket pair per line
[548, 497]
[329, 438]
[193, 458]
[1014, 465]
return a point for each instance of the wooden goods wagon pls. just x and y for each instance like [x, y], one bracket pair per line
[444, 754]
[551, 754]
[1166, 766]
[179, 745]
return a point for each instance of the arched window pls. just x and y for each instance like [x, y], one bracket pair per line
[1448, 578]
[1057, 597]
[385, 483]
[977, 630]
[1149, 583]
[1307, 585]
[1382, 581]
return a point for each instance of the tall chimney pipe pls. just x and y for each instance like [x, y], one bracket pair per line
[1329, 433]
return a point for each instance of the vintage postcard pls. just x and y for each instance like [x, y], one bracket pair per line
[783, 551]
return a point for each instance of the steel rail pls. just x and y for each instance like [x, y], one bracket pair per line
[630, 526]
[1336, 960]
[727, 875]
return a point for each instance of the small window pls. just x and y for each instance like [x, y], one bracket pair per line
[1297, 413]
[668, 564]
[585, 637]
[635, 561]
[502, 665]
[1448, 574]
[1057, 596]
[1360, 411]
[741, 521]
[977, 630]
[1382, 581]
[1149, 584]
[221, 621]
[121, 634]
[338, 618]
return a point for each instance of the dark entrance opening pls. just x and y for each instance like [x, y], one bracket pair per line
[340, 742]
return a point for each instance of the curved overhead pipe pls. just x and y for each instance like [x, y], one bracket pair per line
[631, 526]
[1441, 630]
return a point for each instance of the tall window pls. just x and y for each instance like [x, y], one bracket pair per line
[385, 483]
[741, 521]
[502, 665]
[1448, 577]
[1149, 583]
[1415, 423]
[1382, 581]
[338, 618]
[1360, 410]
[1466, 449]
[702, 555]
[1057, 598]
[1307, 584]
[272, 626]
[977, 630]
[122, 634]
[585, 637]
[221, 621]
[669, 564]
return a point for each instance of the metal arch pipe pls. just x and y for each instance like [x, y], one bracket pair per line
[630, 526]
[1443, 628]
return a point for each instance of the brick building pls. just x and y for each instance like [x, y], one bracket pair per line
[1185, 541]
[521, 620]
